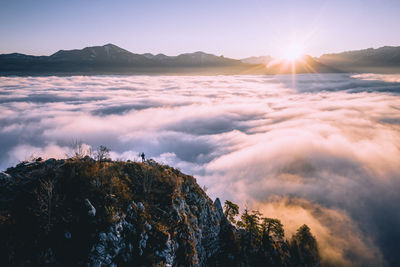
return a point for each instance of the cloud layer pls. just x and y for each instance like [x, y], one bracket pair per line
[320, 149]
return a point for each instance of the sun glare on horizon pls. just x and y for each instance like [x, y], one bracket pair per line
[293, 51]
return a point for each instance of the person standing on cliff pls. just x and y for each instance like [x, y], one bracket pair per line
[143, 157]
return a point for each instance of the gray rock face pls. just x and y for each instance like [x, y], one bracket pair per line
[194, 230]
[91, 209]
[50, 162]
[218, 209]
[4, 176]
[140, 206]
[67, 235]
[111, 245]
[201, 224]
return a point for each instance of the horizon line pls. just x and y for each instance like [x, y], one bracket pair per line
[201, 51]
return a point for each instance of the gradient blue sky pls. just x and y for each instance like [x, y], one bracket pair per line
[224, 27]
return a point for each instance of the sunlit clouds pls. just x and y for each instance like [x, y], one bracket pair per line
[324, 150]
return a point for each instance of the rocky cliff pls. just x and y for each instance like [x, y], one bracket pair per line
[77, 212]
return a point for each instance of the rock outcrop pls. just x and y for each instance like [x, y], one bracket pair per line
[77, 212]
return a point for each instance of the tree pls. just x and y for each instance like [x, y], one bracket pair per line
[249, 221]
[304, 248]
[147, 179]
[80, 150]
[272, 228]
[231, 210]
[102, 153]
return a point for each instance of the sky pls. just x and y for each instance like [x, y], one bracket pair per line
[231, 28]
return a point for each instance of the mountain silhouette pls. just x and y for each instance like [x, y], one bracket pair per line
[384, 59]
[257, 60]
[112, 59]
[106, 53]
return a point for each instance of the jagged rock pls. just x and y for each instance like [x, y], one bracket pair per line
[218, 209]
[142, 242]
[147, 226]
[67, 235]
[4, 175]
[50, 162]
[91, 209]
[151, 162]
[89, 159]
[140, 207]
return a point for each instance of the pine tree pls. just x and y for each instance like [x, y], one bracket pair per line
[231, 210]
[304, 249]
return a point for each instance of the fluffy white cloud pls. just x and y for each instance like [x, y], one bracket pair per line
[321, 150]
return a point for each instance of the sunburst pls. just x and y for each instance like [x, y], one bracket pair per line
[293, 52]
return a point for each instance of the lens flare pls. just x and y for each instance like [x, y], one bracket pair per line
[293, 52]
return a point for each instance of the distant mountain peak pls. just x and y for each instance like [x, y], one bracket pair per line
[148, 55]
[115, 48]
[111, 45]
[257, 60]
[156, 57]
[384, 59]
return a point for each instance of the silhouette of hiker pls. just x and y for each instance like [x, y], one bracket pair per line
[142, 155]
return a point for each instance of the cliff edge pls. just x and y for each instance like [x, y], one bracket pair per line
[83, 212]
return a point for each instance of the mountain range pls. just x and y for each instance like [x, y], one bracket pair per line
[384, 59]
[257, 60]
[111, 59]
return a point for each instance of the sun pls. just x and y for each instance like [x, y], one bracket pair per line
[293, 51]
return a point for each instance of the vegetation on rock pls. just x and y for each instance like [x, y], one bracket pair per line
[82, 211]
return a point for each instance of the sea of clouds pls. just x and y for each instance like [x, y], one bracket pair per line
[317, 149]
